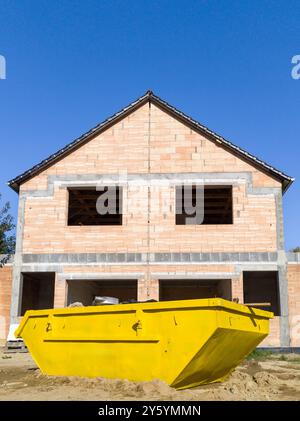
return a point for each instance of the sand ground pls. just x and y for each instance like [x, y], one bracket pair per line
[273, 377]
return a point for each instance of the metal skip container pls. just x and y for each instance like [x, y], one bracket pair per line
[184, 343]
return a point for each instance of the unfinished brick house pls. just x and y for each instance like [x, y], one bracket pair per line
[67, 252]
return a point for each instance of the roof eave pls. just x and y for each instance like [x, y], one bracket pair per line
[77, 143]
[286, 184]
[285, 180]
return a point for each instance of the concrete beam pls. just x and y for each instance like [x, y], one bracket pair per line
[99, 276]
[80, 180]
[143, 258]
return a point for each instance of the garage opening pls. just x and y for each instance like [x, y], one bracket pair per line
[84, 291]
[37, 291]
[262, 287]
[188, 289]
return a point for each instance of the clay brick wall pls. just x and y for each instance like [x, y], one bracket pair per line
[5, 299]
[293, 274]
[273, 339]
[174, 148]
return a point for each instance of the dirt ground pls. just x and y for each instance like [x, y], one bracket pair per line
[273, 377]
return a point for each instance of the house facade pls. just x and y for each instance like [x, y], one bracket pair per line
[146, 161]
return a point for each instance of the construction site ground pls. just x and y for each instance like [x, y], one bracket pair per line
[265, 376]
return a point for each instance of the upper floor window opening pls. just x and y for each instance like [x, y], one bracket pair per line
[216, 207]
[91, 206]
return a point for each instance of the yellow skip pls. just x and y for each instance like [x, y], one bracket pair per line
[184, 343]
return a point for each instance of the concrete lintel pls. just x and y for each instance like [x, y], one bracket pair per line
[41, 267]
[113, 276]
[92, 179]
[79, 180]
[257, 267]
[194, 275]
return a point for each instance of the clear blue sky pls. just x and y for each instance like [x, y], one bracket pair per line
[70, 64]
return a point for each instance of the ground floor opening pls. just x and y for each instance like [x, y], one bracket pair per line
[37, 291]
[262, 287]
[84, 291]
[187, 289]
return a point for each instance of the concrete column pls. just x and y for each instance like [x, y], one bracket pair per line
[282, 276]
[60, 292]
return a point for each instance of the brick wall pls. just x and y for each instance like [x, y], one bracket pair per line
[5, 299]
[174, 148]
[294, 302]
[273, 339]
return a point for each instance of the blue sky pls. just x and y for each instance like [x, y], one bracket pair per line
[70, 64]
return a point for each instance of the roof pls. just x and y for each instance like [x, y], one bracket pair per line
[149, 96]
